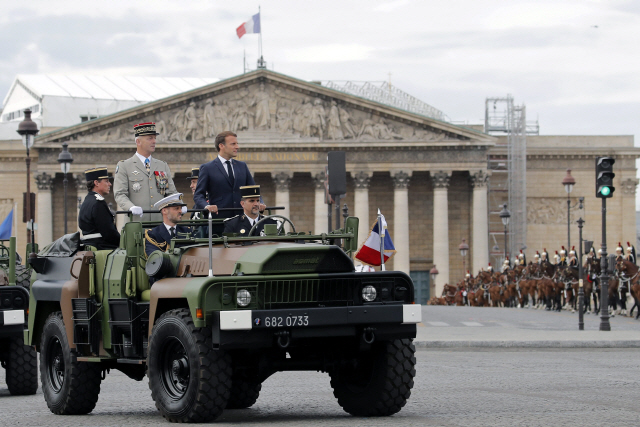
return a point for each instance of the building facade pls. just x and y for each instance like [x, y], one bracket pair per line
[431, 179]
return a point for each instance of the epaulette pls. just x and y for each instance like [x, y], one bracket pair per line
[99, 197]
[228, 219]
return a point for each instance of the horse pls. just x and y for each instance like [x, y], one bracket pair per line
[569, 276]
[483, 281]
[449, 293]
[548, 287]
[629, 276]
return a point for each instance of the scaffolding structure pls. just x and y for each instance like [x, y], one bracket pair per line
[502, 116]
[385, 93]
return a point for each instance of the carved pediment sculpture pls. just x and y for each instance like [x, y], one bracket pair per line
[264, 108]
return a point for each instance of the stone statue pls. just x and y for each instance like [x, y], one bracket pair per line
[261, 101]
[284, 119]
[334, 130]
[177, 126]
[221, 117]
[317, 123]
[190, 122]
[208, 125]
[345, 119]
[240, 116]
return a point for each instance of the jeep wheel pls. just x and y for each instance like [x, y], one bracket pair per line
[244, 392]
[378, 382]
[22, 368]
[23, 276]
[189, 380]
[69, 387]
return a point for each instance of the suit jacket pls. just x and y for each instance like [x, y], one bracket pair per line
[133, 186]
[240, 224]
[95, 217]
[158, 238]
[222, 192]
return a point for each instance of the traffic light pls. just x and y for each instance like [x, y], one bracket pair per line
[604, 177]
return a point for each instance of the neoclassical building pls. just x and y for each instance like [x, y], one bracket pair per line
[433, 180]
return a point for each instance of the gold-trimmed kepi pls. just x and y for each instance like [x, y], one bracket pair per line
[169, 201]
[145, 129]
[195, 172]
[248, 191]
[97, 174]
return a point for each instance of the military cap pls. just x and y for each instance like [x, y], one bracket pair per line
[169, 201]
[145, 129]
[96, 174]
[195, 172]
[248, 191]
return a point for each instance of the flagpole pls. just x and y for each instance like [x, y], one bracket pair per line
[15, 219]
[260, 36]
[381, 230]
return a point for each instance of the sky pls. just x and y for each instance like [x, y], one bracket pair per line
[572, 62]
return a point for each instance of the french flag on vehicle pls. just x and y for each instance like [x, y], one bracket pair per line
[252, 26]
[369, 252]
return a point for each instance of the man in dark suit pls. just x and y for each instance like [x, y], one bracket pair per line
[220, 179]
[250, 202]
[95, 219]
[159, 238]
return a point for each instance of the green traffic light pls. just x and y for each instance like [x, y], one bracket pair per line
[605, 191]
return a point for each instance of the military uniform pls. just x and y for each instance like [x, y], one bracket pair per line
[631, 253]
[134, 186]
[241, 224]
[159, 237]
[522, 259]
[95, 219]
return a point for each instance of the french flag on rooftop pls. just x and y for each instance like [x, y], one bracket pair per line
[369, 252]
[252, 26]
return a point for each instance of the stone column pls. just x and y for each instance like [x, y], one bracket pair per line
[480, 239]
[44, 209]
[441, 227]
[628, 211]
[361, 202]
[81, 193]
[401, 261]
[283, 183]
[320, 224]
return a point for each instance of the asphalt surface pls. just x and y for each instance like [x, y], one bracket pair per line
[453, 387]
[449, 326]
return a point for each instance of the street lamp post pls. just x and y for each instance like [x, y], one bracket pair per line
[28, 130]
[568, 183]
[65, 159]
[464, 248]
[433, 273]
[504, 216]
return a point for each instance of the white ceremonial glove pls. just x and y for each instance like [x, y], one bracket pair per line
[136, 210]
[184, 210]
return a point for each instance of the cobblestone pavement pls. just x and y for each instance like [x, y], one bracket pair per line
[459, 387]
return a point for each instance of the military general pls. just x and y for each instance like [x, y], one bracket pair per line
[142, 180]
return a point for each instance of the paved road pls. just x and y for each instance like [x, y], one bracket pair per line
[488, 387]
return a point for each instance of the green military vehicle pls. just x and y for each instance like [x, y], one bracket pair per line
[210, 320]
[18, 360]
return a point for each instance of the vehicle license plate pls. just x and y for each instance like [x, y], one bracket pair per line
[285, 321]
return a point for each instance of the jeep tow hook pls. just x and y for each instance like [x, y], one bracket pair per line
[284, 339]
[368, 336]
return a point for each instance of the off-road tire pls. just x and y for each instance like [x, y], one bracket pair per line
[23, 276]
[380, 381]
[244, 392]
[22, 368]
[189, 380]
[69, 387]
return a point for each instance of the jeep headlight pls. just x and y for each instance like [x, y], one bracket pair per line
[369, 293]
[243, 297]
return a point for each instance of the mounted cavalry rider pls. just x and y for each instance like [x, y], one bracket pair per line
[556, 258]
[631, 253]
[544, 256]
[619, 250]
[563, 256]
[490, 268]
[522, 259]
[506, 265]
[573, 261]
[536, 258]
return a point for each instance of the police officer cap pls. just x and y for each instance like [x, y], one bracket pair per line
[194, 173]
[96, 174]
[250, 191]
[145, 129]
[169, 201]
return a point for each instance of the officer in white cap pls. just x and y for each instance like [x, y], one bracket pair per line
[159, 238]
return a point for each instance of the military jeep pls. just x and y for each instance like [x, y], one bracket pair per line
[209, 320]
[18, 360]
